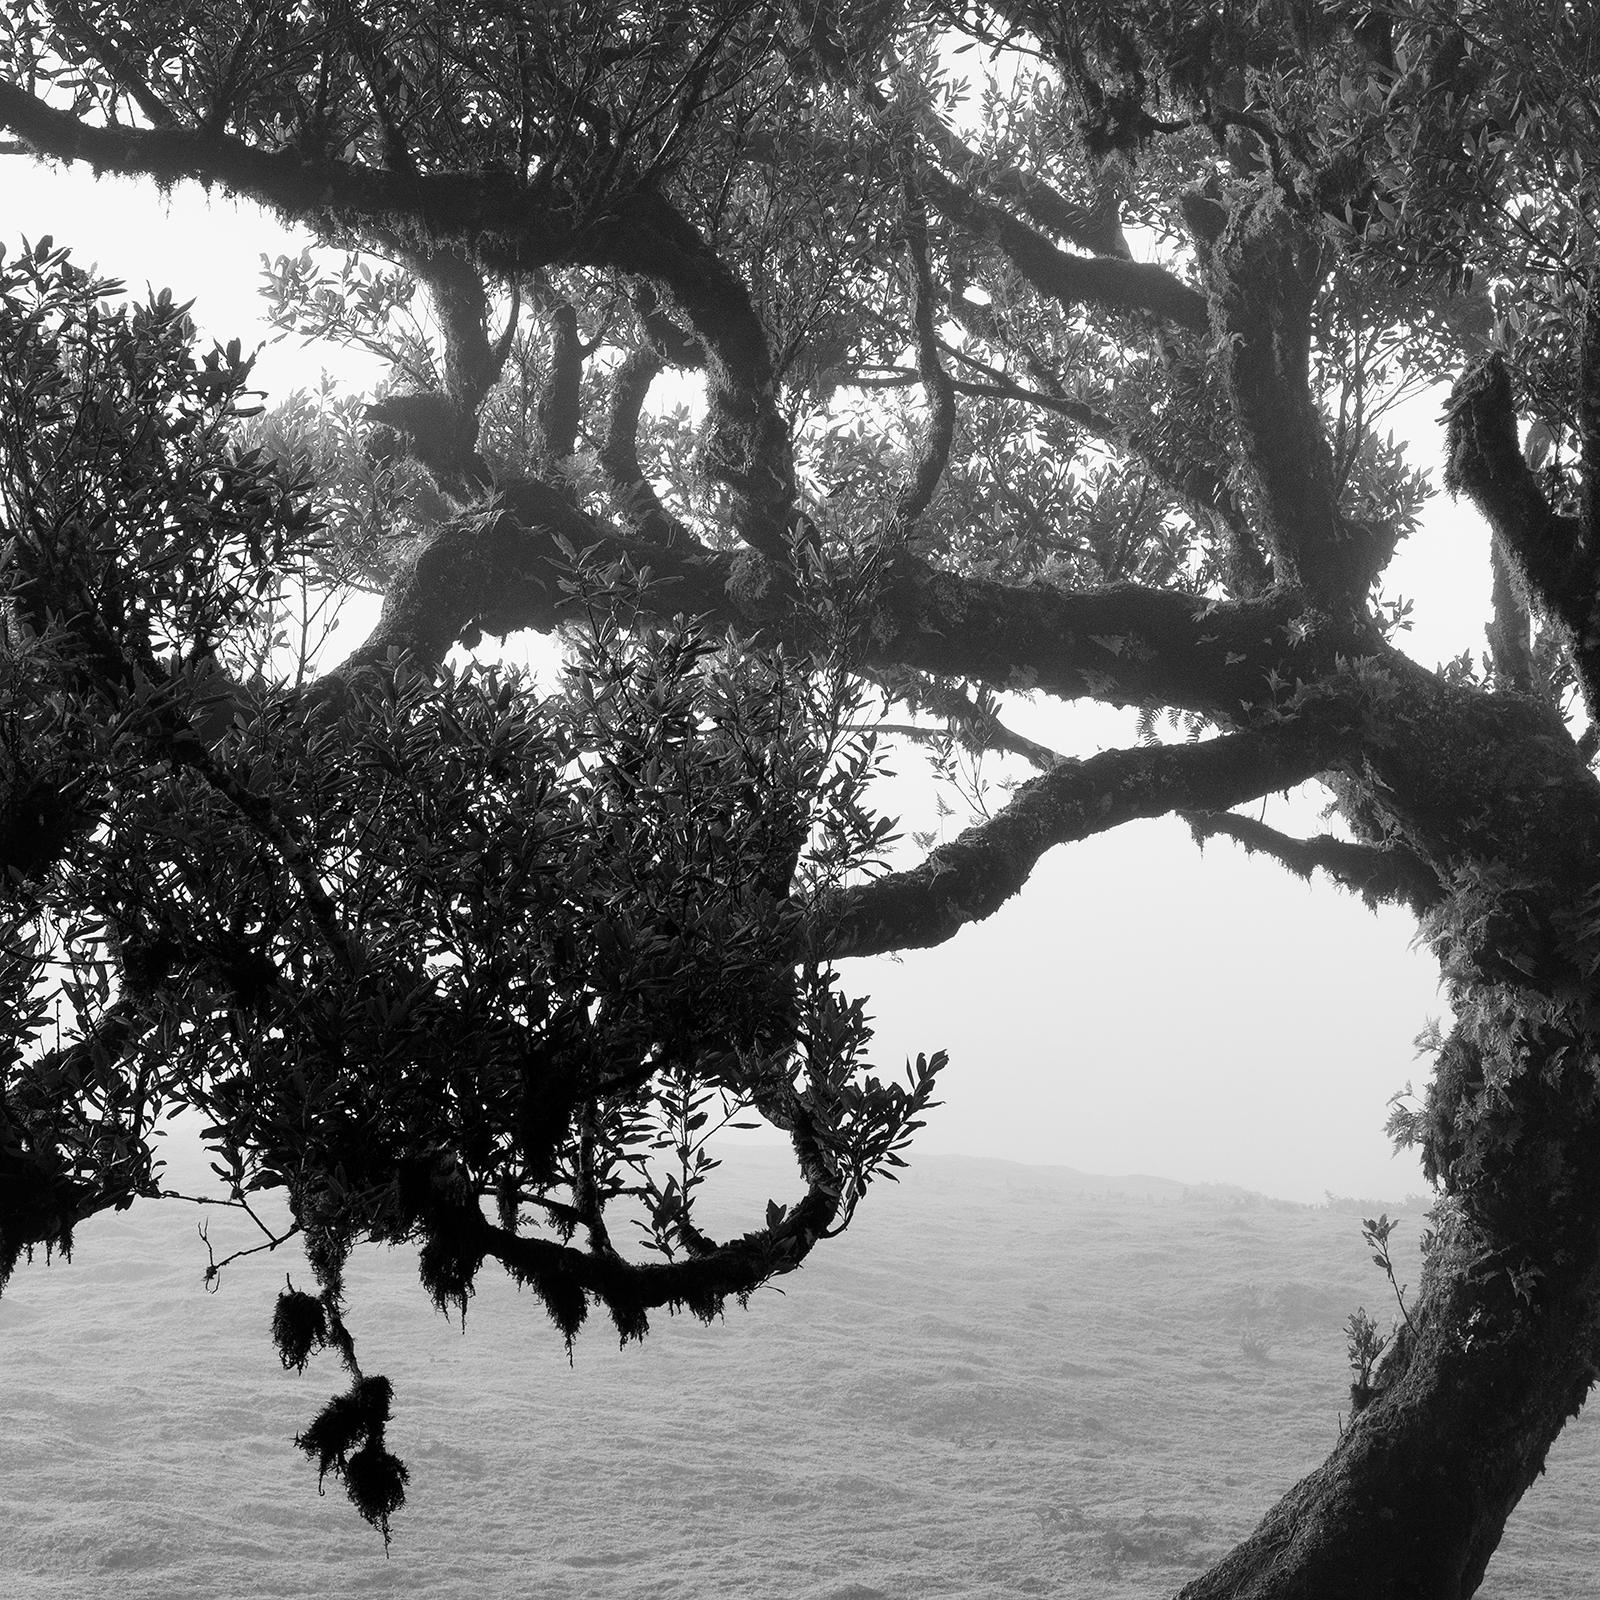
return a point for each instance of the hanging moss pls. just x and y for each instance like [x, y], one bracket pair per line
[376, 1482]
[299, 1326]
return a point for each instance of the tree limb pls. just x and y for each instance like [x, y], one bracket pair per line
[564, 1276]
[916, 496]
[974, 875]
[1105, 281]
[1589, 421]
[509, 226]
[633, 493]
[1261, 266]
[1510, 627]
[472, 364]
[559, 410]
[1096, 228]
[1549, 554]
[1378, 873]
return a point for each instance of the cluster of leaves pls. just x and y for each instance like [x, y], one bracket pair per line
[603, 94]
[139, 544]
[413, 943]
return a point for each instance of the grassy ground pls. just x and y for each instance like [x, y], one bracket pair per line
[1004, 1381]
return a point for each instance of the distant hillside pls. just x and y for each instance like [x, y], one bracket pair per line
[1003, 1381]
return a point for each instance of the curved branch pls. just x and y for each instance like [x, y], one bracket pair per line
[1105, 281]
[632, 492]
[675, 347]
[1377, 873]
[510, 226]
[564, 1276]
[750, 450]
[618, 454]
[974, 875]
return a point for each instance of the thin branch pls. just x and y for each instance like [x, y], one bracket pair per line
[69, 17]
[916, 496]
[185, 749]
[1378, 873]
[1200, 492]
[214, 1267]
[962, 713]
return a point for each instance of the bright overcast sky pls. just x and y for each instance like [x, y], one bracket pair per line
[1141, 1007]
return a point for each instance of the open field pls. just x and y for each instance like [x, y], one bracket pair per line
[1004, 1381]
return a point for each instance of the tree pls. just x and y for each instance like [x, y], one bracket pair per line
[414, 938]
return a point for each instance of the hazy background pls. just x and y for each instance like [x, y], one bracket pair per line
[1004, 1381]
[1140, 1007]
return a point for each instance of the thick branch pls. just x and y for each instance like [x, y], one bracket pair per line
[500, 574]
[1548, 553]
[633, 493]
[973, 876]
[510, 226]
[471, 363]
[675, 347]
[563, 1276]
[1375, 872]
[750, 450]
[1261, 267]
[559, 412]
[1589, 421]
[1108, 282]
[1126, 645]
[1510, 628]
[454, 204]
[1096, 228]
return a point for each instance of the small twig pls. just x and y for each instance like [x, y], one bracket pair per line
[1376, 1232]
[214, 1267]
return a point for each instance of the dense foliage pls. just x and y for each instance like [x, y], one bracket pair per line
[787, 374]
[474, 941]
